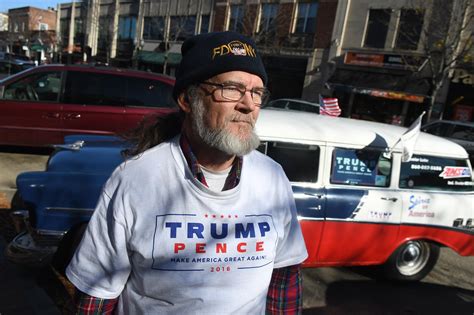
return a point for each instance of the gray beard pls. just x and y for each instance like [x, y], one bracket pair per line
[220, 138]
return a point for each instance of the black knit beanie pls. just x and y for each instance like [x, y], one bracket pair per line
[210, 54]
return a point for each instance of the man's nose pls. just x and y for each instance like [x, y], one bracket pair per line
[246, 104]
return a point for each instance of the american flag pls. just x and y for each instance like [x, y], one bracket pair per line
[329, 106]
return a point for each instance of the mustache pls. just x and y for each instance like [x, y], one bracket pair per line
[243, 118]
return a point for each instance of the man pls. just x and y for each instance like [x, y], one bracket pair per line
[200, 223]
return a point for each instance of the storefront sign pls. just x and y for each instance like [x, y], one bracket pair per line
[359, 59]
[463, 112]
[383, 60]
[463, 77]
[392, 95]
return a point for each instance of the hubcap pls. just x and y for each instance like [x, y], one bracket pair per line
[413, 258]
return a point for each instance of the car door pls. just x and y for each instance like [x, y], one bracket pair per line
[362, 209]
[438, 199]
[301, 163]
[147, 96]
[93, 103]
[30, 111]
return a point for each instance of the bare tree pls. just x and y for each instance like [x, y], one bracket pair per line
[447, 43]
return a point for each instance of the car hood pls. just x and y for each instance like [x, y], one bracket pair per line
[87, 154]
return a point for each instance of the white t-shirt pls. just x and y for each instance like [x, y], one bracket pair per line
[215, 180]
[165, 243]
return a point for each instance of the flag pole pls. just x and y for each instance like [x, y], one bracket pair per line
[411, 134]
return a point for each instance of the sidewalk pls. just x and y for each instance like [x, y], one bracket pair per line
[19, 290]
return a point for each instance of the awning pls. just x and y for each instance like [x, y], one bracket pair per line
[405, 87]
[37, 47]
[159, 58]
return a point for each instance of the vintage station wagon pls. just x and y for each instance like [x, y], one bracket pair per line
[357, 205]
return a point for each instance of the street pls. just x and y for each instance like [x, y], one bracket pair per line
[448, 289]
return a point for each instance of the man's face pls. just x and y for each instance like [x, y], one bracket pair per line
[227, 125]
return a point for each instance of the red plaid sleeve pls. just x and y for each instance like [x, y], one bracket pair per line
[285, 293]
[90, 305]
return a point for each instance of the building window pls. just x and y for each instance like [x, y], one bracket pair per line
[127, 27]
[236, 21]
[154, 28]
[306, 17]
[64, 30]
[205, 19]
[268, 17]
[105, 37]
[409, 29]
[43, 26]
[182, 27]
[78, 31]
[377, 28]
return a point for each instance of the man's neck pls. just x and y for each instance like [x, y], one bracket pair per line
[210, 158]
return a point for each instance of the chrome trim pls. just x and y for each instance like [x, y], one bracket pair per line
[73, 146]
[54, 209]
[309, 218]
[50, 233]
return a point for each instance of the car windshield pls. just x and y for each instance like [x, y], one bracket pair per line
[295, 104]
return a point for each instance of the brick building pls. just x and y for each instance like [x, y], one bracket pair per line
[32, 32]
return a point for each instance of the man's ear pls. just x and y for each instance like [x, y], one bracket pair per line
[183, 102]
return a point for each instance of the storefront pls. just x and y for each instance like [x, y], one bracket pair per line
[160, 62]
[386, 88]
[460, 101]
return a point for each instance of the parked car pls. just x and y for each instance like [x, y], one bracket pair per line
[458, 131]
[294, 104]
[40, 106]
[357, 204]
[11, 64]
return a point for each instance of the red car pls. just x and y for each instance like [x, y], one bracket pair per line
[41, 105]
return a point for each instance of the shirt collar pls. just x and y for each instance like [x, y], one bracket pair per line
[232, 179]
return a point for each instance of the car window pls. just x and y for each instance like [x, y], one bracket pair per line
[366, 167]
[436, 129]
[5, 67]
[463, 133]
[38, 87]
[304, 107]
[149, 93]
[278, 104]
[435, 173]
[299, 161]
[89, 88]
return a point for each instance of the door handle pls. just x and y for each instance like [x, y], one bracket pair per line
[72, 116]
[389, 198]
[51, 115]
[319, 196]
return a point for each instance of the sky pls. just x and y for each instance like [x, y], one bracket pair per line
[43, 4]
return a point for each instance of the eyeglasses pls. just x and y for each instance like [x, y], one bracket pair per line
[235, 92]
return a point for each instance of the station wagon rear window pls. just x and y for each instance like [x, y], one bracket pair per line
[435, 173]
[299, 161]
[360, 168]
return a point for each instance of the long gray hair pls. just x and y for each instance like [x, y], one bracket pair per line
[155, 129]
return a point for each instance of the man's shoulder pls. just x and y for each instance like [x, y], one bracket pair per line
[146, 161]
[260, 160]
